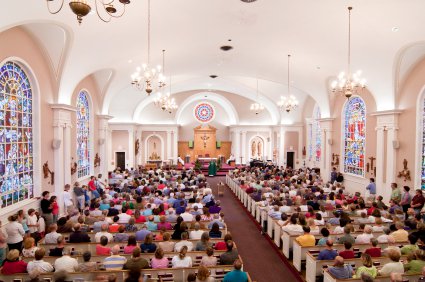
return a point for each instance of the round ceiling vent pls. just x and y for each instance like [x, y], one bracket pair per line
[248, 1]
[226, 48]
[213, 76]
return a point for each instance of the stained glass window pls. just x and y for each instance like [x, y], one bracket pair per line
[16, 141]
[423, 147]
[354, 136]
[318, 135]
[83, 135]
[310, 145]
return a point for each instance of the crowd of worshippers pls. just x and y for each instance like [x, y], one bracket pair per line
[305, 206]
[150, 212]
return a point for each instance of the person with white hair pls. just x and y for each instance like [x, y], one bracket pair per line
[366, 236]
[114, 261]
[66, 262]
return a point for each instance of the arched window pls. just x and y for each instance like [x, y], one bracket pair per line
[317, 135]
[310, 144]
[16, 136]
[423, 147]
[354, 136]
[83, 135]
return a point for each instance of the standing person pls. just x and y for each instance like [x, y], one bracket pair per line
[395, 193]
[418, 201]
[79, 194]
[406, 199]
[334, 175]
[15, 233]
[92, 187]
[3, 246]
[46, 208]
[371, 187]
[67, 199]
[55, 208]
[33, 225]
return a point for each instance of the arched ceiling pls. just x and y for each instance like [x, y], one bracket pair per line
[262, 33]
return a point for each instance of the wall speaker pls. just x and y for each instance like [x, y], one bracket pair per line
[191, 144]
[396, 144]
[101, 141]
[56, 143]
[330, 141]
[218, 144]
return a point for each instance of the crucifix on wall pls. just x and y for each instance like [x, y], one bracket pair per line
[204, 139]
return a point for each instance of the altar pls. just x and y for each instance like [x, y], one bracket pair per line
[205, 160]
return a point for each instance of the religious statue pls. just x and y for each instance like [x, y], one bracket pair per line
[73, 167]
[47, 171]
[253, 149]
[96, 160]
[136, 147]
[204, 139]
[405, 172]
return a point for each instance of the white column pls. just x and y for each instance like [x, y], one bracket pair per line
[110, 154]
[309, 124]
[282, 146]
[244, 154]
[391, 156]
[327, 141]
[130, 148]
[169, 141]
[271, 145]
[139, 154]
[175, 145]
[300, 148]
[380, 156]
[237, 146]
[104, 142]
[67, 154]
[58, 167]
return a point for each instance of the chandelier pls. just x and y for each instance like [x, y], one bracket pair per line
[146, 77]
[81, 8]
[165, 102]
[288, 103]
[257, 107]
[349, 83]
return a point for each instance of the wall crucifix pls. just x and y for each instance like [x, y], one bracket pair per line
[204, 139]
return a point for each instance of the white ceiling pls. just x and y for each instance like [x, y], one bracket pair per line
[262, 33]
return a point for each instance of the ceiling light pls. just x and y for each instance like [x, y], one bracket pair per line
[349, 83]
[288, 103]
[149, 78]
[395, 29]
[257, 107]
[81, 8]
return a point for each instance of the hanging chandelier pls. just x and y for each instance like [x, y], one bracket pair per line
[81, 8]
[148, 78]
[257, 107]
[289, 103]
[348, 83]
[165, 102]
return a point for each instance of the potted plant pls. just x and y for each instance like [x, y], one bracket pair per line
[198, 165]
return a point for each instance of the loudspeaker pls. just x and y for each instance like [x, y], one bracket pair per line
[330, 141]
[191, 144]
[396, 144]
[101, 141]
[56, 143]
[218, 144]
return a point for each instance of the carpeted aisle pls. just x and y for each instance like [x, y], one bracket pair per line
[260, 258]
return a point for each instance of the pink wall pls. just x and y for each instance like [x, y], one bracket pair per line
[119, 144]
[20, 45]
[291, 140]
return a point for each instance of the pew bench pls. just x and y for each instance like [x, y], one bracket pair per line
[327, 277]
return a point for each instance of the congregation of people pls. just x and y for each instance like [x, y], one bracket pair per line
[166, 213]
[318, 213]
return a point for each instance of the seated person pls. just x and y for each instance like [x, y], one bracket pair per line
[121, 236]
[148, 246]
[237, 274]
[39, 264]
[411, 247]
[52, 236]
[159, 261]
[103, 232]
[231, 158]
[340, 270]
[180, 160]
[57, 251]
[215, 231]
[136, 262]
[386, 237]
[66, 262]
[306, 240]
[113, 228]
[13, 264]
[183, 242]
[400, 235]
[374, 251]
[347, 236]
[329, 253]
[417, 263]
[29, 247]
[365, 237]
[102, 249]
[347, 253]
[87, 265]
[78, 236]
[182, 260]
[325, 233]
[367, 267]
[395, 265]
[114, 261]
[231, 254]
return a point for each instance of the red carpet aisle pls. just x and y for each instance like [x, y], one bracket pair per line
[260, 258]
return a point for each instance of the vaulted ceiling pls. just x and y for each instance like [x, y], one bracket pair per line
[262, 34]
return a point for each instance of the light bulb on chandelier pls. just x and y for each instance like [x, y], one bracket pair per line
[257, 107]
[349, 83]
[290, 103]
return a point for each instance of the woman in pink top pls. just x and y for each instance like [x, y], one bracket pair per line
[159, 261]
[132, 243]
[101, 249]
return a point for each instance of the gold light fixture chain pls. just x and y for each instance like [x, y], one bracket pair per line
[149, 31]
[349, 42]
[289, 57]
[97, 12]
[54, 12]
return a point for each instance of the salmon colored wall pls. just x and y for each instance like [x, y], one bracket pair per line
[17, 44]
[119, 144]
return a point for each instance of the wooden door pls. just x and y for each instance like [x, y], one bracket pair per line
[120, 160]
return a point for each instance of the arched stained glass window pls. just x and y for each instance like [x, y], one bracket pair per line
[310, 145]
[16, 136]
[317, 135]
[83, 135]
[354, 136]
[423, 147]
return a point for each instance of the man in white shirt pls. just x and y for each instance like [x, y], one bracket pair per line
[39, 264]
[66, 262]
[293, 228]
[103, 232]
[365, 237]
[196, 234]
[187, 216]
[184, 242]
[284, 208]
[180, 160]
[124, 217]
[67, 199]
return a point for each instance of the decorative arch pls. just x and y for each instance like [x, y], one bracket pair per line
[147, 144]
[19, 127]
[257, 148]
[84, 132]
[354, 136]
[420, 141]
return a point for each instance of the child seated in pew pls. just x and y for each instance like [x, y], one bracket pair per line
[347, 253]
[325, 233]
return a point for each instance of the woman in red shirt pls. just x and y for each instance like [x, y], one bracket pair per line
[102, 249]
[12, 264]
[221, 246]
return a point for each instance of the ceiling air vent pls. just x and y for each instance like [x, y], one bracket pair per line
[226, 48]
[248, 1]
